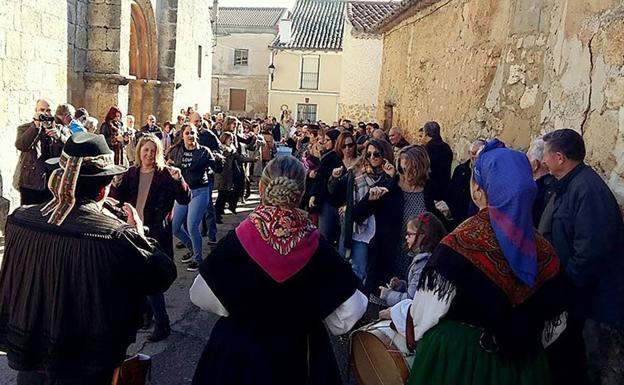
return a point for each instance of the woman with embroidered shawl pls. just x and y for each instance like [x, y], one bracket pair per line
[275, 282]
[491, 297]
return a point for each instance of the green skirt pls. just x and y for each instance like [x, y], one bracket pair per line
[450, 354]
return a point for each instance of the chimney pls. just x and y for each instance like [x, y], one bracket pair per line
[285, 30]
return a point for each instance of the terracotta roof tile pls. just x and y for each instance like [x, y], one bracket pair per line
[249, 17]
[405, 8]
[316, 24]
[363, 15]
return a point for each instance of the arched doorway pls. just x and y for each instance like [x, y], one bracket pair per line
[143, 60]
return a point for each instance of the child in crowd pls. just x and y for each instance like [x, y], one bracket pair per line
[424, 232]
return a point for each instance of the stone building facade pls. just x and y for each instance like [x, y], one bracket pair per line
[240, 77]
[514, 69]
[142, 55]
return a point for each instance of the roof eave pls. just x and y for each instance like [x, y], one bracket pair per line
[408, 10]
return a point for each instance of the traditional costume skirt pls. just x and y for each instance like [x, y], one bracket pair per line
[451, 353]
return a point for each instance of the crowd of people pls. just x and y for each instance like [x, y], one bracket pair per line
[508, 269]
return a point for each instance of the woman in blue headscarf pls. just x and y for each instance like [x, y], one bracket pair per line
[491, 297]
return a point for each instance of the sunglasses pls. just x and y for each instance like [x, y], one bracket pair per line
[373, 154]
[348, 145]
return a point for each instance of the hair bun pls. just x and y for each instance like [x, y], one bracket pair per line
[283, 192]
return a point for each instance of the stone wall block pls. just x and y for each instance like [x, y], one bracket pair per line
[3, 45]
[614, 93]
[104, 15]
[103, 61]
[71, 11]
[31, 18]
[80, 60]
[13, 44]
[16, 14]
[50, 26]
[82, 14]
[97, 38]
[113, 38]
[82, 37]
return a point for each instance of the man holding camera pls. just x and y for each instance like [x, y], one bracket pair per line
[38, 141]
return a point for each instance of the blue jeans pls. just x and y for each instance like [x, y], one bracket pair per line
[211, 216]
[192, 214]
[359, 258]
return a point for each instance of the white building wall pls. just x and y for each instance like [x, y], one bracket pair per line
[195, 90]
[360, 75]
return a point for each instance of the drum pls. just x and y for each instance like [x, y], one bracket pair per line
[379, 355]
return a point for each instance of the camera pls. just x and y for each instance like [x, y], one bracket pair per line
[45, 118]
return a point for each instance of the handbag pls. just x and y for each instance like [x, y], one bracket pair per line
[133, 371]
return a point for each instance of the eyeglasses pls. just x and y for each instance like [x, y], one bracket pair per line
[411, 234]
[373, 154]
[348, 145]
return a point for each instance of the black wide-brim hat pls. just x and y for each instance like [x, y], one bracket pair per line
[98, 158]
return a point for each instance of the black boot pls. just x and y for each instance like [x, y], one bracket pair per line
[161, 331]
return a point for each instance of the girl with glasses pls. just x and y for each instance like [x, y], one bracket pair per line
[423, 234]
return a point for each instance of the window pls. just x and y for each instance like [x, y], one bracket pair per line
[309, 73]
[238, 100]
[199, 61]
[306, 112]
[241, 57]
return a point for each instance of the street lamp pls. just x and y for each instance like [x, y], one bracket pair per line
[271, 70]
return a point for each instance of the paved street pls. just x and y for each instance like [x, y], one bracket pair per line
[175, 358]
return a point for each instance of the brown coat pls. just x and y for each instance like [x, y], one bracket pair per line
[35, 149]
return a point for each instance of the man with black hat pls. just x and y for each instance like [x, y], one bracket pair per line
[75, 275]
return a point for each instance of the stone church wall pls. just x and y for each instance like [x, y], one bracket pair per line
[33, 65]
[79, 51]
[514, 69]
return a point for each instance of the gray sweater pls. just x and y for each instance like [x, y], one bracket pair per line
[408, 289]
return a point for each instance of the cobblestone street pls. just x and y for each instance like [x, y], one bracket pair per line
[175, 358]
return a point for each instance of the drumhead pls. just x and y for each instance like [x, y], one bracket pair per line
[375, 359]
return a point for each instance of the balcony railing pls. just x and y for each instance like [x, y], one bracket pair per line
[309, 80]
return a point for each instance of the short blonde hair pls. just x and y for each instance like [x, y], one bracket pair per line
[160, 152]
[283, 182]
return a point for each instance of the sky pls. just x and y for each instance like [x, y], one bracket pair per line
[257, 3]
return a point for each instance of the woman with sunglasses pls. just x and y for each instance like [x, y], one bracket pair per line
[352, 187]
[393, 203]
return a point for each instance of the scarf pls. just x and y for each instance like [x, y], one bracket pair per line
[63, 182]
[505, 176]
[476, 240]
[281, 241]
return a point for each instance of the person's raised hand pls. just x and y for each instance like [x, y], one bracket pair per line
[376, 192]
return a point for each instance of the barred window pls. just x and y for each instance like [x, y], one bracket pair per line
[306, 112]
[241, 57]
[309, 72]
